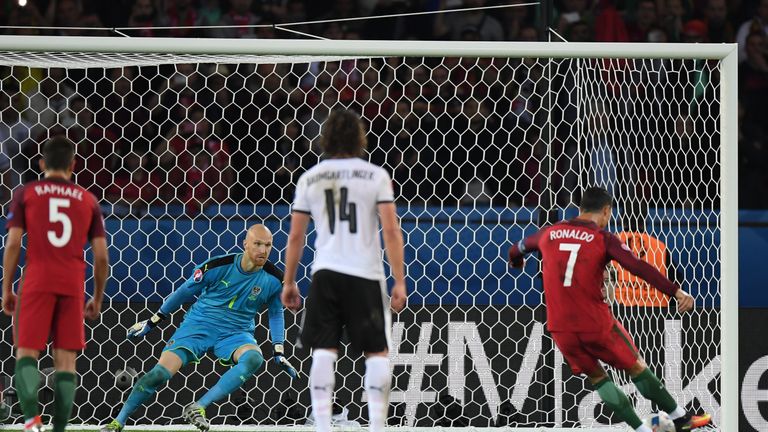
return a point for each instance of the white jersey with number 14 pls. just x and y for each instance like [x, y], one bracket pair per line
[342, 196]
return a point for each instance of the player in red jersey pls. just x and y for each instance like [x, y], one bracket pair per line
[59, 218]
[574, 255]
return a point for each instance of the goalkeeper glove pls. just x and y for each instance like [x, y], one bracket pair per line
[283, 362]
[143, 327]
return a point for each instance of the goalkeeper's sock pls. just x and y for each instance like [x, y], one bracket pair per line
[616, 400]
[247, 365]
[377, 383]
[322, 380]
[144, 389]
[652, 389]
[27, 380]
[64, 394]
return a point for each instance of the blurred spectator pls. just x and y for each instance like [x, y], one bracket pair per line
[695, 31]
[673, 18]
[28, 16]
[96, 148]
[69, 13]
[657, 35]
[295, 11]
[14, 135]
[529, 34]
[579, 31]
[210, 12]
[239, 14]
[394, 28]
[47, 102]
[451, 25]
[571, 11]
[194, 162]
[143, 14]
[753, 74]
[292, 156]
[720, 30]
[514, 19]
[132, 186]
[181, 14]
[608, 23]
[344, 9]
[757, 24]
[645, 19]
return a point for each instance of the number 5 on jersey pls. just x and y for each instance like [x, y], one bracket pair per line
[347, 210]
[573, 248]
[54, 215]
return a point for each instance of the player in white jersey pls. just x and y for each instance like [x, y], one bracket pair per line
[346, 196]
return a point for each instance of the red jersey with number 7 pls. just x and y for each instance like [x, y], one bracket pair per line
[574, 254]
[59, 218]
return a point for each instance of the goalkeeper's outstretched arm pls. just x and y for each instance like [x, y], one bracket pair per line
[183, 294]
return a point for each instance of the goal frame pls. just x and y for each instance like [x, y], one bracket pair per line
[726, 53]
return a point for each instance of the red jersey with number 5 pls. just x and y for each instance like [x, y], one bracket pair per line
[574, 255]
[59, 218]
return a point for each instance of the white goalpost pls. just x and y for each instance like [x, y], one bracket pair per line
[187, 141]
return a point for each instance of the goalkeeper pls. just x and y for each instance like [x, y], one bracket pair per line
[231, 290]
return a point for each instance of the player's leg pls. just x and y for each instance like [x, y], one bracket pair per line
[649, 385]
[321, 331]
[32, 324]
[577, 350]
[241, 350]
[619, 350]
[377, 383]
[652, 389]
[145, 388]
[27, 381]
[188, 344]
[370, 333]
[65, 384]
[68, 339]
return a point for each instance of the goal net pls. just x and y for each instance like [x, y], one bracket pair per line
[187, 145]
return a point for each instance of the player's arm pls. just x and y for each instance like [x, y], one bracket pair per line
[98, 238]
[11, 256]
[394, 248]
[191, 288]
[293, 251]
[620, 252]
[100, 275]
[12, 253]
[518, 251]
[277, 333]
[300, 216]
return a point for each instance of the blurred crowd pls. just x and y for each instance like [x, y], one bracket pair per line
[201, 134]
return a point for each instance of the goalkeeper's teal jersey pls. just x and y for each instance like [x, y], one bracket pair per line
[229, 299]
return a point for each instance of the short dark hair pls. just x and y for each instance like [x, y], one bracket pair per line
[594, 199]
[343, 134]
[58, 153]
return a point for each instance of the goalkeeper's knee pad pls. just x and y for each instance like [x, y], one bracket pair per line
[251, 360]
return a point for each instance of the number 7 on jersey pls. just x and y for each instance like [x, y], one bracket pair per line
[573, 248]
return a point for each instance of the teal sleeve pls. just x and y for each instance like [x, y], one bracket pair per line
[190, 289]
[276, 319]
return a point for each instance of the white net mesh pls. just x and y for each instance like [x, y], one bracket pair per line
[183, 156]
